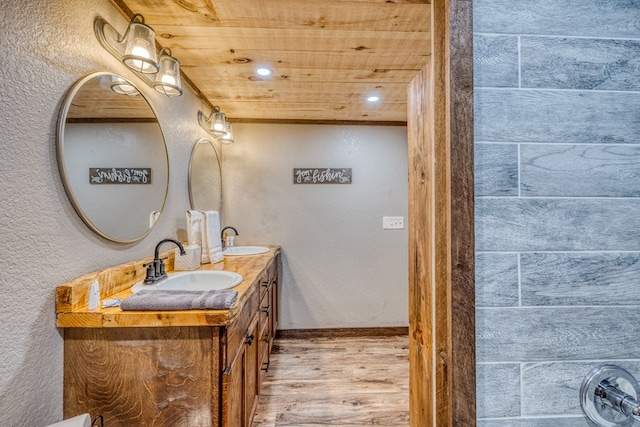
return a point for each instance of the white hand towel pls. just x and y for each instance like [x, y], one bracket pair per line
[211, 235]
[195, 231]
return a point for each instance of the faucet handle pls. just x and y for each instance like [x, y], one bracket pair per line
[151, 272]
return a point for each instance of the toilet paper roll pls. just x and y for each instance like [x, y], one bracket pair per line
[79, 421]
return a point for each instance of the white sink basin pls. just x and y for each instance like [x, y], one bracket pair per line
[206, 280]
[244, 250]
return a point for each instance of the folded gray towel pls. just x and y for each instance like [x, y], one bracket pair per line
[180, 300]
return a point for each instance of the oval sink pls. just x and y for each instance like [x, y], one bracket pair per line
[244, 250]
[206, 280]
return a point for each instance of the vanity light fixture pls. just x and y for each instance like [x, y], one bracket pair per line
[218, 122]
[137, 50]
[140, 47]
[123, 87]
[215, 123]
[227, 138]
[168, 78]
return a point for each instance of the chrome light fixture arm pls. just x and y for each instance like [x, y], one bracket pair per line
[109, 38]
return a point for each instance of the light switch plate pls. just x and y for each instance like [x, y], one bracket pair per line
[392, 222]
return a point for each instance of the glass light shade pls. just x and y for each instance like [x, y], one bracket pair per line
[123, 87]
[227, 138]
[218, 123]
[140, 49]
[167, 80]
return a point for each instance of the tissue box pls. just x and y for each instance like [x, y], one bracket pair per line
[189, 261]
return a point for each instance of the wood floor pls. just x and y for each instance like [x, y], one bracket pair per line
[350, 381]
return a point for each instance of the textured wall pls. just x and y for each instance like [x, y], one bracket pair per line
[558, 203]
[340, 268]
[46, 46]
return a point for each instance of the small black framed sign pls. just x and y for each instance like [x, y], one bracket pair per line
[322, 176]
[120, 175]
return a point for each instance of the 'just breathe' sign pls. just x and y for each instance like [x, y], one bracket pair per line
[321, 176]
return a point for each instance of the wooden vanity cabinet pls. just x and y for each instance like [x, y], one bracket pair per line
[198, 375]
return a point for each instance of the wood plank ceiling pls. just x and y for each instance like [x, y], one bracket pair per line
[327, 55]
[96, 102]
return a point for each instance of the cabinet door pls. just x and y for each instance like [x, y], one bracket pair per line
[240, 382]
[233, 392]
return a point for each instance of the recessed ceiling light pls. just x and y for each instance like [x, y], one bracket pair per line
[373, 98]
[264, 71]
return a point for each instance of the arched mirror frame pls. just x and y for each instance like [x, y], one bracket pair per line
[62, 167]
[191, 173]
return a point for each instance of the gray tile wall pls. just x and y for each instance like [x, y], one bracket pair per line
[557, 113]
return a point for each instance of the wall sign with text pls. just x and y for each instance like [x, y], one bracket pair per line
[120, 175]
[321, 176]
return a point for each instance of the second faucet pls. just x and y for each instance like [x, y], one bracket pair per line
[228, 240]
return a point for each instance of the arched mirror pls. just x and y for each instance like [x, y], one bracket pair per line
[205, 180]
[112, 157]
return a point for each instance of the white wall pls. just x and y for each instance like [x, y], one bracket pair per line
[340, 268]
[45, 46]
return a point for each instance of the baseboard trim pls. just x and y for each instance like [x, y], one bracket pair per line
[342, 332]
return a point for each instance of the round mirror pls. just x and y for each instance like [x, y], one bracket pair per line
[205, 180]
[112, 157]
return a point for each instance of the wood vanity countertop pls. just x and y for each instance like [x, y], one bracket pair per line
[116, 282]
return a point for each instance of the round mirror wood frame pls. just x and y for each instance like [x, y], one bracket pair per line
[205, 177]
[112, 157]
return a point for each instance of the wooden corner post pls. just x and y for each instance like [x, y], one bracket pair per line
[441, 225]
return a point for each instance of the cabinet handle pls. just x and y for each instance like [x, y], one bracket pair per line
[249, 340]
[266, 309]
[265, 284]
[265, 366]
[267, 337]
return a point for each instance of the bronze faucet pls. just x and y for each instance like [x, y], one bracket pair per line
[223, 235]
[155, 269]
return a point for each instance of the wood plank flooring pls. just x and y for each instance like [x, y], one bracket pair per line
[351, 381]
